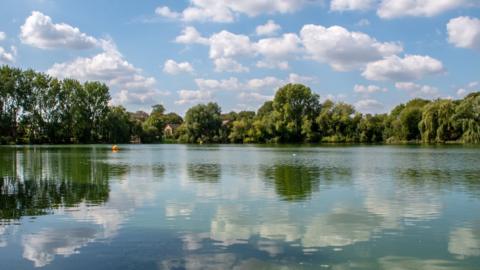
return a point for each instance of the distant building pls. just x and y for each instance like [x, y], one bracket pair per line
[170, 129]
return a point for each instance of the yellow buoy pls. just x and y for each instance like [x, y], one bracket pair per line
[115, 148]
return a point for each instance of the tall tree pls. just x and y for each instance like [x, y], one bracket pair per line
[202, 124]
[293, 103]
[118, 127]
[11, 97]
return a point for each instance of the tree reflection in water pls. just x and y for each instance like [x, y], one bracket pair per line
[37, 181]
[297, 182]
[204, 172]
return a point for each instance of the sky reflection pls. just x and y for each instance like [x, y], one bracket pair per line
[262, 208]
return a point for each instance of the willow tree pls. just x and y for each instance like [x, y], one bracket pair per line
[467, 117]
[437, 124]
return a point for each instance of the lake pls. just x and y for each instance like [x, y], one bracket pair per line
[239, 207]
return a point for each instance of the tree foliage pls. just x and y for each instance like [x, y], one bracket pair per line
[37, 108]
[202, 124]
[295, 107]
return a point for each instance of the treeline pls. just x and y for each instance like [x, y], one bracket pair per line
[296, 115]
[36, 108]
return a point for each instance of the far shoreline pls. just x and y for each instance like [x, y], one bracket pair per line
[407, 143]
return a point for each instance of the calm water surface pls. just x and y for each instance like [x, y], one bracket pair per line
[239, 207]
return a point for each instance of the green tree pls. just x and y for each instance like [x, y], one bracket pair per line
[467, 117]
[74, 121]
[89, 110]
[118, 126]
[242, 130]
[97, 109]
[292, 105]
[437, 124]
[37, 108]
[371, 128]
[11, 100]
[202, 124]
[405, 121]
[263, 126]
[172, 118]
[392, 124]
[154, 125]
[338, 122]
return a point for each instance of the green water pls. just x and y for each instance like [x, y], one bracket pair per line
[239, 207]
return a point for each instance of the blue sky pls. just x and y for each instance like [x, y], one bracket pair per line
[370, 53]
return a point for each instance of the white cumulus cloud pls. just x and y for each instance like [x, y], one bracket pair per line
[262, 83]
[229, 65]
[227, 44]
[8, 57]
[461, 92]
[464, 32]
[110, 67]
[346, 5]
[252, 96]
[275, 51]
[390, 9]
[172, 67]
[268, 29]
[344, 50]
[417, 90]
[468, 88]
[273, 64]
[229, 84]
[224, 11]
[227, 48]
[369, 105]
[190, 35]
[409, 68]
[39, 31]
[368, 89]
[3, 36]
[166, 12]
[296, 78]
[193, 96]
